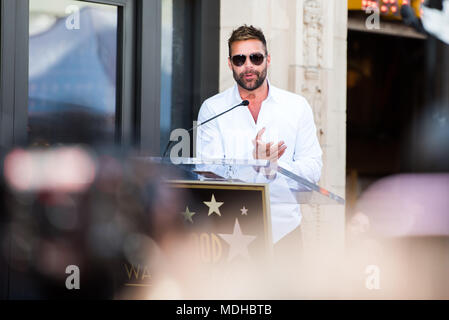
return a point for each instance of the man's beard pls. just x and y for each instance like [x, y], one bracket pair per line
[260, 78]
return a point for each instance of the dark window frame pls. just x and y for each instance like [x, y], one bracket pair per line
[138, 66]
[195, 65]
[14, 72]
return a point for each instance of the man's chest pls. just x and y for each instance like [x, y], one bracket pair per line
[238, 130]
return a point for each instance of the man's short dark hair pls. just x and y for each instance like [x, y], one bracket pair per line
[247, 33]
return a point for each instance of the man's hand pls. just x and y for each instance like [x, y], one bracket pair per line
[267, 151]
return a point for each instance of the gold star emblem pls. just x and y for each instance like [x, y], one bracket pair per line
[188, 215]
[213, 206]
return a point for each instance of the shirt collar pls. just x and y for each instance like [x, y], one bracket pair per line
[272, 92]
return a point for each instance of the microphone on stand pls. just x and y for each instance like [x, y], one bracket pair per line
[243, 103]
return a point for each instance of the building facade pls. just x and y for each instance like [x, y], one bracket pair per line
[307, 43]
[139, 69]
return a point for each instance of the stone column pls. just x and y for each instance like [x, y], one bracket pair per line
[307, 43]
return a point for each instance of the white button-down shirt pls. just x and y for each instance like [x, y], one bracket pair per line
[287, 117]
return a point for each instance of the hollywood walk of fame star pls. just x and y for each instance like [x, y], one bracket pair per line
[238, 242]
[188, 215]
[213, 206]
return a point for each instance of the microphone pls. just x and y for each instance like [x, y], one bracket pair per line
[243, 103]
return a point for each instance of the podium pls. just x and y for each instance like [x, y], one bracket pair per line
[229, 202]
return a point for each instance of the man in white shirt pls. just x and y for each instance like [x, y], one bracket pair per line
[277, 125]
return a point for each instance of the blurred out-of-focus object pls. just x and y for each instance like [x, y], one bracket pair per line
[410, 18]
[387, 8]
[105, 213]
[65, 169]
[359, 224]
[431, 147]
[408, 205]
[407, 237]
[436, 22]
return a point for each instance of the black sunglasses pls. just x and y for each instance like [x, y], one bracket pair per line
[239, 59]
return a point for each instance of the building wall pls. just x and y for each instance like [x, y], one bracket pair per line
[307, 40]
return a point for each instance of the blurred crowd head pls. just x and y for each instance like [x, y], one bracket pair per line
[72, 206]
